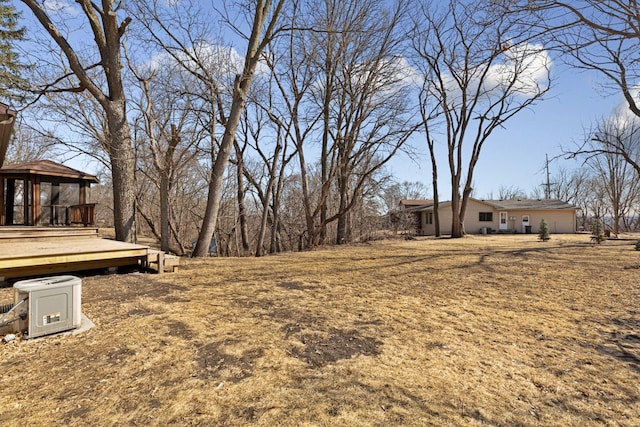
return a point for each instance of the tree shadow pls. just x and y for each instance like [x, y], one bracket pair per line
[623, 344]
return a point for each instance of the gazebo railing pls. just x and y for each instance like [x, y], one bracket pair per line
[84, 214]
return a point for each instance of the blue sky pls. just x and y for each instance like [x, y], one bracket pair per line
[515, 156]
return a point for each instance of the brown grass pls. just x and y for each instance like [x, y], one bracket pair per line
[495, 330]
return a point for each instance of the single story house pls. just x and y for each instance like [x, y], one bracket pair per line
[498, 216]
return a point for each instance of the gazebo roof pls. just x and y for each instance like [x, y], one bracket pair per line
[47, 168]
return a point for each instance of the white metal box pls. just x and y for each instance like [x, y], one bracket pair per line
[53, 305]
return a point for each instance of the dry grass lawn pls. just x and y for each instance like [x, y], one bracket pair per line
[486, 330]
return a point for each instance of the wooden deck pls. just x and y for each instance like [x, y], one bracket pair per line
[30, 251]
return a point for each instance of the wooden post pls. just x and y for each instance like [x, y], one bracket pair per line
[10, 201]
[83, 193]
[26, 212]
[2, 203]
[36, 212]
[55, 200]
[55, 193]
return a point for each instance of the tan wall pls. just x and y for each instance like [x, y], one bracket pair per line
[560, 221]
[472, 223]
[445, 222]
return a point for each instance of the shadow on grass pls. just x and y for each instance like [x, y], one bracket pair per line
[623, 344]
[392, 261]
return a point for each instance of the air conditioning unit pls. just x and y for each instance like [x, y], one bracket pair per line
[52, 304]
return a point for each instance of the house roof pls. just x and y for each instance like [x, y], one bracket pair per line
[47, 168]
[509, 205]
[530, 204]
[410, 202]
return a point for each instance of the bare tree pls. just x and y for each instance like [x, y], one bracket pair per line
[27, 144]
[108, 91]
[511, 193]
[338, 83]
[182, 31]
[618, 136]
[619, 181]
[264, 28]
[293, 76]
[428, 112]
[364, 98]
[572, 186]
[167, 144]
[480, 70]
[600, 36]
[393, 194]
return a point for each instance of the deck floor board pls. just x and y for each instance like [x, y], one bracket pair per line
[29, 256]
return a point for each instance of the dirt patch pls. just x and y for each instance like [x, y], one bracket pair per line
[179, 330]
[118, 355]
[126, 287]
[296, 286]
[141, 312]
[215, 364]
[319, 350]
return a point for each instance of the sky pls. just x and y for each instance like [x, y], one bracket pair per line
[515, 156]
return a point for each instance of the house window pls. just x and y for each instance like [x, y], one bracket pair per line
[486, 216]
[428, 218]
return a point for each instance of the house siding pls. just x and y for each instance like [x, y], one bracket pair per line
[445, 222]
[472, 223]
[560, 220]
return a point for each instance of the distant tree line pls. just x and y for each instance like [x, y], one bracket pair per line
[285, 145]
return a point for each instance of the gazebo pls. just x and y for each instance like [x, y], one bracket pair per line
[24, 199]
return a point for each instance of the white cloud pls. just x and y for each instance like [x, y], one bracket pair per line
[524, 71]
[526, 65]
[60, 6]
[406, 74]
[222, 62]
[622, 114]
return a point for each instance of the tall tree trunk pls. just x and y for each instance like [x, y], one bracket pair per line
[456, 223]
[306, 200]
[342, 229]
[165, 189]
[436, 209]
[434, 183]
[240, 91]
[324, 177]
[122, 172]
[242, 210]
[267, 196]
[109, 92]
[164, 213]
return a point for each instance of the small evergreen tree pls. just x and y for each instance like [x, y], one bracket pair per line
[11, 80]
[597, 231]
[543, 231]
